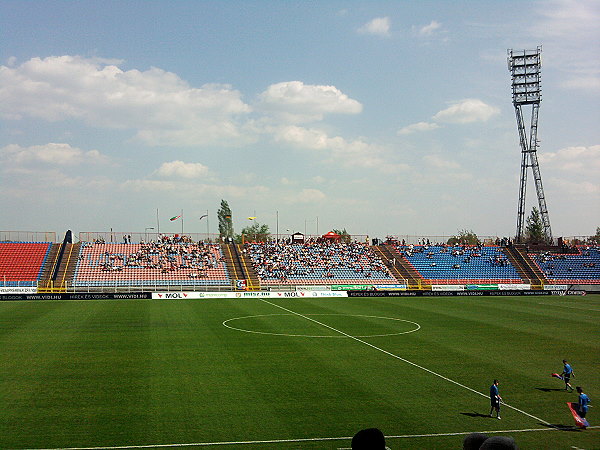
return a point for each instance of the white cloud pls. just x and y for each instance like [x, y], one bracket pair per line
[467, 111]
[569, 30]
[306, 196]
[354, 153]
[428, 30]
[192, 189]
[52, 153]
[294, 101]
[161, 107]
[580, 160]
[152, 186]
[567, 19]
[380, 26]
[418, 127]
[576, 188]
[583, 82]
[440, 163]
[182, 169]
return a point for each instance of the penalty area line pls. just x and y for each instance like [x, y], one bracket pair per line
[284, 441]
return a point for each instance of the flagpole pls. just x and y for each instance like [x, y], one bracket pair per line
[202, 217]
[182, 223]
[157, 223]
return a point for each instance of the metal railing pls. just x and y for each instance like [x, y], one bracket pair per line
[27, 236]
[125, 287]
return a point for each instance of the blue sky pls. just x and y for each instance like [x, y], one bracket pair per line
[381, 117]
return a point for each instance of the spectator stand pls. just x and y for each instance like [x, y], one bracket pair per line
[460, 264]
[171, 261]
[317, 263]
[581, 267]
[21, 263]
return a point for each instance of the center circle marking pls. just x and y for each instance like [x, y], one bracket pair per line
[227, 324]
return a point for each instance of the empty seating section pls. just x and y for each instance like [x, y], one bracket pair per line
[442, 264]
[317, 263]
[151, 264]
[21, 263]
[572, 268]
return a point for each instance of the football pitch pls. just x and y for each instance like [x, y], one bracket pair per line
[294, 373]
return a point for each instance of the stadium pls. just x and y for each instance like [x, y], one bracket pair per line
[389, 118]
[159, 341]
[144, 262]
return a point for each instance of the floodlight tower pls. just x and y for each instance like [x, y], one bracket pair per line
[525, 70]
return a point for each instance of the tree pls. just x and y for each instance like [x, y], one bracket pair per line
[534, 229]
[256, 232]
[466, 237]
[344, 236]
[225, 221]
[596, 238]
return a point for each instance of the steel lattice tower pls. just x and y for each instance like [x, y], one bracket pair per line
[525, 70]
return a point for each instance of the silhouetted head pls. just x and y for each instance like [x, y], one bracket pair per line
[473, 441]
[499, 443]
[368, 439]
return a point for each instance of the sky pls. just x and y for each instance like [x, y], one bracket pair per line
[380, 117]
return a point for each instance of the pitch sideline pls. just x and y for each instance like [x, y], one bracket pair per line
[283, 441]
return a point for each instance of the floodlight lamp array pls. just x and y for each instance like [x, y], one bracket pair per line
[525, 69]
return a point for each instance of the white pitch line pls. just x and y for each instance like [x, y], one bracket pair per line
[284, 441]
[405, 360]
[526, 430]
[203, 444]
[231, 327]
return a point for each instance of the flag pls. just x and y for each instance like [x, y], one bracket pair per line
[203, 216]
[251, 218]
[174, 218]
[579, 421]
[555, 375]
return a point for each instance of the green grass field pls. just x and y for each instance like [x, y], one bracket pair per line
[294, 373]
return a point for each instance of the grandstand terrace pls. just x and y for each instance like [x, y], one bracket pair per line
[177, 262]
[21, 263]
[581, 267]
[460, 264]
[167, 262]
[317, 263]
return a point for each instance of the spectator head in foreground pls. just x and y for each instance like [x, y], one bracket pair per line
[473, 441]
[369, 439]
[499, 443]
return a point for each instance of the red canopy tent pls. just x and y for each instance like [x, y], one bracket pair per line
[331, 237]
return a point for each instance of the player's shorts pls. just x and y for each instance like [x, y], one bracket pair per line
[566, 378]
[495, 403]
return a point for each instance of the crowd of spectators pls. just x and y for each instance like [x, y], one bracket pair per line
[279, 261]
[166, 255]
